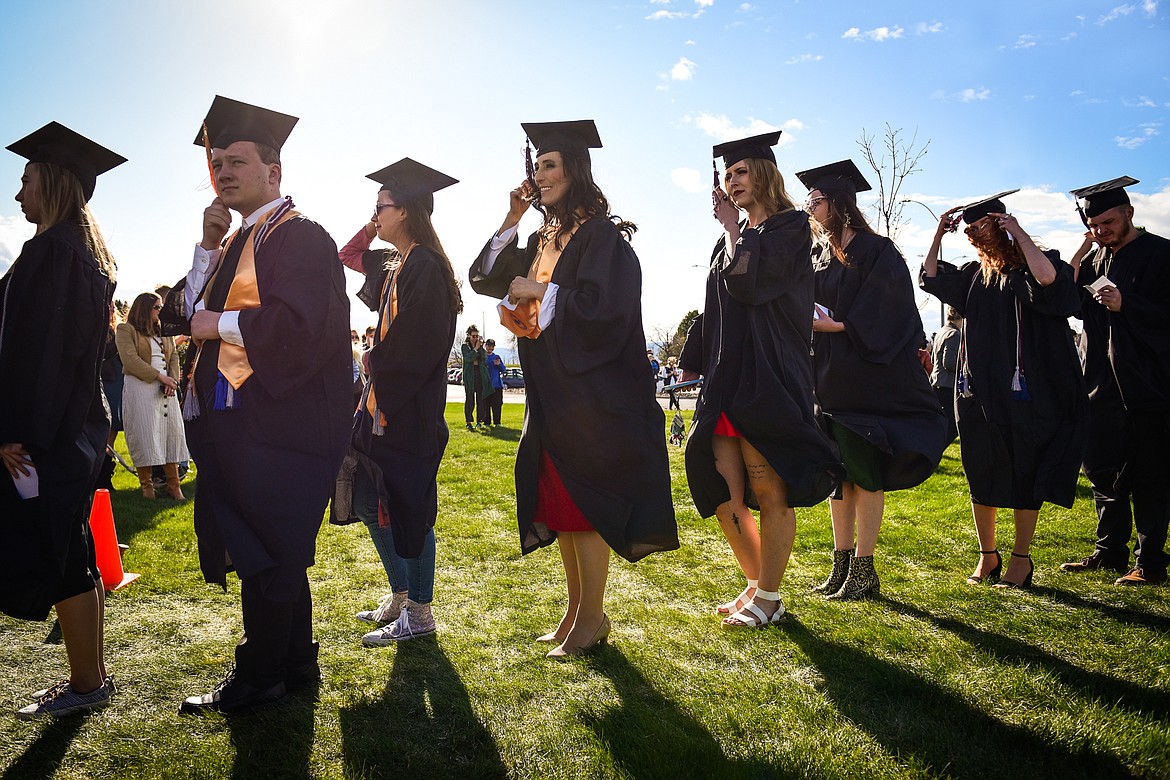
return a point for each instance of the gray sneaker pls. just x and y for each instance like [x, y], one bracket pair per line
[387, 611]
[108, 682]
[416, 620]
[62, 700]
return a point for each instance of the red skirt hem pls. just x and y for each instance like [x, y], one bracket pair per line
[723, 427]
[554, 506]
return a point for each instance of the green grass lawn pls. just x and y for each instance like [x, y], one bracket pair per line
[935, 679]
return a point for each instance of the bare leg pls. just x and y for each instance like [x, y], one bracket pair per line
[843, 513]
[80, 617]
[1018, 568]
[735, 519]
[870, 506]
[593, 568]
[777, 525]
[565, 542]
[985, 530]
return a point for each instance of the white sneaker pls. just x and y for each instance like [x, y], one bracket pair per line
[416, 620]
[387, 611]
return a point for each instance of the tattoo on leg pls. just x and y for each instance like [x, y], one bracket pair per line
[735, 519]
[756, 471]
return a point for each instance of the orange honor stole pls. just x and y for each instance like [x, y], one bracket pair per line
[243, 294]
[524, 320]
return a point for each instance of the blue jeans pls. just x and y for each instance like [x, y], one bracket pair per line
[414, 575]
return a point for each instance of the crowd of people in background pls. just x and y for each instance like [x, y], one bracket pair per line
[817, 383]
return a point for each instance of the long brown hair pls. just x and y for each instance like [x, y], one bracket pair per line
[997, 252]
[421, 231]
[843, 213]
[583, 200]
[62, 199]
[139, 317]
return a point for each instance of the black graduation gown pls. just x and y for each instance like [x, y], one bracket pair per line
[1129, 351]
[55, 310]
[590, 400]
[408, 371]
[266, 468]
[868, 377]
[754, 340]
[1017, 453]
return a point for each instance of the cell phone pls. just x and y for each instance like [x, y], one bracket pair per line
[530, 175]
[952, 224]
[714, 185]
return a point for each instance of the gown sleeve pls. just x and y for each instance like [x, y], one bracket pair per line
[51, 304]
[691, 358]
[1058, 299]
[302, 299]
[767, 258]
[597, 310]
[511, 262]
[404, 361]
[883, 316]
[950, 284]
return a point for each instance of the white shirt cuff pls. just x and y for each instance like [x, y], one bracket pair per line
[548, 307]
[498, 243]
[229, 328]
[201, 263]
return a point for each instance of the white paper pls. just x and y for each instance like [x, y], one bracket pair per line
[1099, 284]
[820, 312]
[28, 486]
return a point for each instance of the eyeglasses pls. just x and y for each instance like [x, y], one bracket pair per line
[157, 307]
[811, 203]
[379, 206]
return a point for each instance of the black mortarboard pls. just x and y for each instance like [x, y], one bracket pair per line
[407, 180]
[230, 120]
[839, 178]
[973, 212]
[578, 136]
[57, 144]
[758, 146]
[1099, 198]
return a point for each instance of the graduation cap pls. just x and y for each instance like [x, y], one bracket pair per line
[57, 144]
[759, 146]
[230, 120]
[839, 178]
[407, 180]
[1099, 198]
[973, 212]
[578, 136]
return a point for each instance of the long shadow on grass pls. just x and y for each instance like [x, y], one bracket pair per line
[275, 741]
[911, 716]
[423, 726]
[1122, 614]
[649, 736]
[43, 757]
[1093, 685]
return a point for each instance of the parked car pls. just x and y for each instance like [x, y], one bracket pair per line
[454, 376]
[513, 379]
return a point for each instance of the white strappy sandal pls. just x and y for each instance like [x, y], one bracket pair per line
[751, 616]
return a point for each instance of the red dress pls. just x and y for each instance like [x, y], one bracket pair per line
[554, 505]
[723, 427]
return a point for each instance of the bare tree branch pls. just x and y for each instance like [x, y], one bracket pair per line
[898, 159]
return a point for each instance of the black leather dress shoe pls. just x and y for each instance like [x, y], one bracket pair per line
[302, 676]
[232, 695]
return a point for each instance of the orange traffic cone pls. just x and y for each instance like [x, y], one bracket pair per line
[105, 543]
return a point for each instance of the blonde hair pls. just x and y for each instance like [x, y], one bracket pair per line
[62, 199]
[768, 185]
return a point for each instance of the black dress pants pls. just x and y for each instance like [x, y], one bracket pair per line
[278, 634]
[1106, 454]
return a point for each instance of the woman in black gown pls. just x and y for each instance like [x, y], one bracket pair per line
[591, 469]
[874, 398]
[1020, 401]
[54, 315]
[754, 439]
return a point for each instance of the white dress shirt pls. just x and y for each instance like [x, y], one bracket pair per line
[202, 266]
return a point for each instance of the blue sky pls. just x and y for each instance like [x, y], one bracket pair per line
[1045, 96]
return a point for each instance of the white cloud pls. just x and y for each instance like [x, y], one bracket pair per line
[704, 3]
[803, 58]
[688, 43]
[688, 180]
[14, 231]
[664, 14]
[660, 2]
[682, 70]
[970, 94]
[1141, 102]
[922, 28]
[877, 34]
[721, 128]
[1147, 7]
[745, 7]
[1025, 41]
[1069, 37]
[1144, 133]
